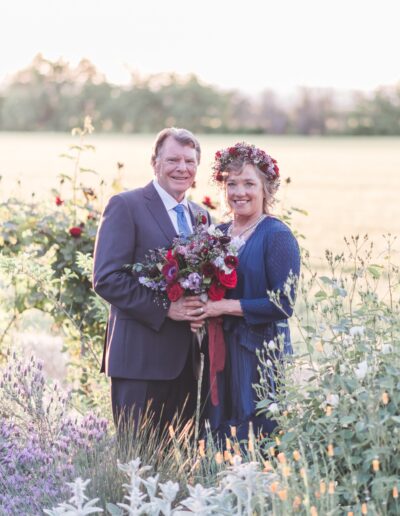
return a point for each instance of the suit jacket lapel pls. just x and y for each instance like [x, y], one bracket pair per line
[157, 209]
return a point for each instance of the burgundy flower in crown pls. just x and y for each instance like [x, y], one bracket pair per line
[247, 153]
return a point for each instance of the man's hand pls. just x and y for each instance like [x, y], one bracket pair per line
[186, 309]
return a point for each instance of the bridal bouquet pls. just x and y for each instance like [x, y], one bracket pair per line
[202, 264]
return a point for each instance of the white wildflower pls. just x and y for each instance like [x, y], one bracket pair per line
[273, 408]
[357, 331]
[361, 370]
[387, 348]
[333, 400]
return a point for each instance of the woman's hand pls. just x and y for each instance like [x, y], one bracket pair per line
[216, 308]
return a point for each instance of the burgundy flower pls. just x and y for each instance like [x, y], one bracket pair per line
[232, 151]
[75, 231]
[216, 291]
[231, 261]
[227, 280]
[208, 202]
[174, 292]
[170, 270]
[59, 201]
[208, 269]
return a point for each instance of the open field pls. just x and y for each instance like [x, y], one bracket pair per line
[347, 185]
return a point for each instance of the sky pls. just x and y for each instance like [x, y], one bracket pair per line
[250, 45]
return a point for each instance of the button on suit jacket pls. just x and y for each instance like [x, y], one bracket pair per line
[141, 343]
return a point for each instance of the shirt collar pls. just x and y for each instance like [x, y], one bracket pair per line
[167, 199]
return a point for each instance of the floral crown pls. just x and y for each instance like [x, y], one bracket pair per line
[248, 153]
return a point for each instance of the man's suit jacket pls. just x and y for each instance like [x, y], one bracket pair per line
[142, 343]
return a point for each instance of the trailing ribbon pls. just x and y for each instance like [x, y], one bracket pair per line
[216, 349]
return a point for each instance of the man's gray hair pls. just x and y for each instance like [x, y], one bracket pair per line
[182, 136]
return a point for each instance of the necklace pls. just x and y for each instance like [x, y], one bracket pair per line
[260, 218]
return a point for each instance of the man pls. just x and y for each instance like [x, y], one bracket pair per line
[148, 347]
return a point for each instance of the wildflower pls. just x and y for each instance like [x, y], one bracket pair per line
[286, 471]
[387, 348]
[385, 398]
[271, 450]
[227, 456]
[228, 443]
[333, 399]
[271, 345]
[361, 370]
[395, 492]
[357, 331]
[328, 410]
[75, 231]
[331, 489]
[202, 448]
[233, 431]
[364, 508]
[322, 487]
[273, 408]
[219, 459]
[375, 465]
[296, 455]
[296, 502]
[267, 466]
[313, 511]
[58, 201]
[330, 450]
[274, 487]
[319, 347]
[282, 494]
[282, 458]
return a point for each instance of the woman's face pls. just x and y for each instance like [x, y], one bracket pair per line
[245, 192]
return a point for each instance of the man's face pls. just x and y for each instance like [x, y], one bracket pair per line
[175, 167]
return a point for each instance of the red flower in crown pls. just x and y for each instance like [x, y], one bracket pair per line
[208, 202]
[247, 153]
[58, 201]
[75, 232]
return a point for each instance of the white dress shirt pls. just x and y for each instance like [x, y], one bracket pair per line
[170, 203]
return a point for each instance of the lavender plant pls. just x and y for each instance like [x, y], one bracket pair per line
[40, 441]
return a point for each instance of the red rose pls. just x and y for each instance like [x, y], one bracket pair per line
[170, 270]
[232, 151]
[218, 154]
[231, 261]
[75, 232]
[216, 291]
[227, 280]
[174, 292]
[208, 202]
[59, 201]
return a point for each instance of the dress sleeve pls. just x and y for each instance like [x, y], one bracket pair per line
[281, 257]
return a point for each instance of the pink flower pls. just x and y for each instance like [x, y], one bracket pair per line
[208, 202]
[59, 201]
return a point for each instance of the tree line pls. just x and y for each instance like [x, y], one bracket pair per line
[54, 96]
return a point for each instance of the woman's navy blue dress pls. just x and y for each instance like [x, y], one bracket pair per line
[265, 261]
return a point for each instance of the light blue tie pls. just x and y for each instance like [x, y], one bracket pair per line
[183, 226]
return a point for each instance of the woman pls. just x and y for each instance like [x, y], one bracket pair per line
[268, 256]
